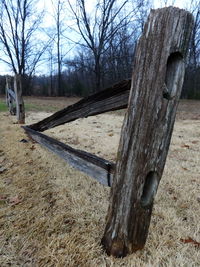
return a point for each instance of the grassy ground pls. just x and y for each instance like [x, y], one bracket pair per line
[3, 106]
[47, 104]
[28, 107]
[53, 215]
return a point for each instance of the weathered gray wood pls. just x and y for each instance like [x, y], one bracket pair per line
[11, 93]
[96, 167]
[20, 110]
[112, 98]
[157, 80]
[10, 97]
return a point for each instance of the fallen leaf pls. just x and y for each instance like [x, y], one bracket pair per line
[184, 206]
[190, 240]
[185, 146]
[195, 142]
[3, 197]
[14, 200]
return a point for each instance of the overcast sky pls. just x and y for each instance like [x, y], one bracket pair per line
[47, 4]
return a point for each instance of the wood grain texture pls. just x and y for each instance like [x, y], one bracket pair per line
[96, 167]
[113, 98]
[11, 93]
[20, 110]
[10, 97]
[157, 79]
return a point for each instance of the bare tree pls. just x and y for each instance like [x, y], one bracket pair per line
[97, 29]
[193, 69]
[58, 11]
[18, 25]
[141, 14]
[118, 57]
[194, 59]
[165, 3]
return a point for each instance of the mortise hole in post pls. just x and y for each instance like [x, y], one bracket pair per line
[175, 65]
[149, 189]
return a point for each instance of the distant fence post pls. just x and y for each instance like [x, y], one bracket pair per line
[9, 98]
[19, 100]
[157, 79]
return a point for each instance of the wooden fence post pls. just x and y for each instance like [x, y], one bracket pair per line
[9, 99]
[157, 80]
[19, 100]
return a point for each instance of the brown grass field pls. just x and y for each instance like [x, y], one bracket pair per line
[52, 215]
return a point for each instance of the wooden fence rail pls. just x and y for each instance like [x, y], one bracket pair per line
[98, 168]
[109, 99]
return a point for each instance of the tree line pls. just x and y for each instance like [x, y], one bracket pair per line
[84, 48]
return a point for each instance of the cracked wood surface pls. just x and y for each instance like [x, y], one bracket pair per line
[158, 73]
[112, 98]
[96, 167]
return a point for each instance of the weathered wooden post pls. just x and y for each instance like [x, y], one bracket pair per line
[157, 80]
[19, 100]
[9, 98]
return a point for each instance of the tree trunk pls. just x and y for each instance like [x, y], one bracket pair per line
[157, 80]
[20, 110]
[97, 74]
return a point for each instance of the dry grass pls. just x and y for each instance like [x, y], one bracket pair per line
[53, 215]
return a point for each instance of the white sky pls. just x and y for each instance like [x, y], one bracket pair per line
[47, 4]
[177, 3]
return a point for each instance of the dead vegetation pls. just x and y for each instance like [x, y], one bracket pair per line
[53, 215]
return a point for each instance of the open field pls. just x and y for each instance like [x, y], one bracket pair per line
[48, 104]
[53, 215]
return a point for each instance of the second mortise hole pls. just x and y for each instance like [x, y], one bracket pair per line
[149, 189]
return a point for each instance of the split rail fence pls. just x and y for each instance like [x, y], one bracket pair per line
[151, 97]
